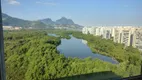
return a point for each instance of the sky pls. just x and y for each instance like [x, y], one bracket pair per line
[83, 12]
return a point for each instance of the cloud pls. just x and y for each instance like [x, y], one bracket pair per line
[47, 3]
[13, 2]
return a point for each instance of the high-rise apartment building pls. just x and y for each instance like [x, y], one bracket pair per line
[137, 41]
[117, 35]
[129, 36]
[107, 32]
[85, 30]
[126, 37]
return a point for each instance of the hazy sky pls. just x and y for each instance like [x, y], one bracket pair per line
[83, 12]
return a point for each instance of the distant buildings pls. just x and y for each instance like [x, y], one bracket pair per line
[11, 28]
[7, 28]
[17, 28]
[85, 30]
[127, 35]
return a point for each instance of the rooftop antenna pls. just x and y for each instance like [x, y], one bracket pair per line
[2, 64]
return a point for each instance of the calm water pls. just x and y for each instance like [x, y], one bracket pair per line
[78, 48]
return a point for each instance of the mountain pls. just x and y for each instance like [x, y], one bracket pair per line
[47, 21]
[38, 25]
[64, 21]
[43, 23]
[61, 23]
[11, 21]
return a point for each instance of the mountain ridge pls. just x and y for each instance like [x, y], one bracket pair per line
[42, 23]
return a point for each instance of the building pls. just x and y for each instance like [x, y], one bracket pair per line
[127, 35]
[85, 30]
[137, 41]
[8, 28]
[11, 28]
[107, 33]
[89, 30]
[99, 31]
[124, 35]
[117, 35]
[17, 28]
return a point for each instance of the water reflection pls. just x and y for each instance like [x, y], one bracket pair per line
[84, 42]
[78, 48]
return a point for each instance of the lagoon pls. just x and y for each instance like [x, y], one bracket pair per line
[78, 48]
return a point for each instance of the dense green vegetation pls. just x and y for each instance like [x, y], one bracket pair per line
[32, 55]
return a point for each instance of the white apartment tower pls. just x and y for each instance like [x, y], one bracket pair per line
[125, 37]
[137, 42]
[107, 32]
[129, 36]
[85, 30]
[117, 35]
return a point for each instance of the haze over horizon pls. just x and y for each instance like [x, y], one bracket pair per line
[83, 12]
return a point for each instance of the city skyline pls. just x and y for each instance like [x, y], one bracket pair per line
[86, 13]
[129, 36]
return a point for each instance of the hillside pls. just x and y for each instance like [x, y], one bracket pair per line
[11, 21]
